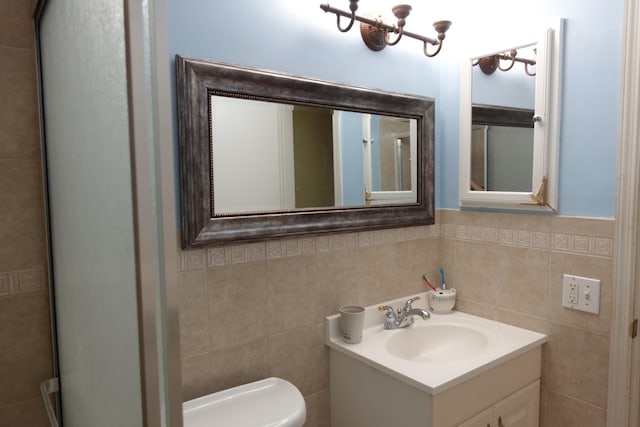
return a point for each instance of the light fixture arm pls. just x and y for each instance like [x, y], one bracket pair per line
[431, 55]
[441, 28]
[395, 42]
[526, 70]
[489, 64]
[401, 12]
[353, 7]
[378, 31]
[511, 56]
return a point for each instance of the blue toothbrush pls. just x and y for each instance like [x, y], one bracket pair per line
[442, 276]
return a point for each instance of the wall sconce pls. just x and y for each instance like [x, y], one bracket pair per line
[489, 64]
[376, 34]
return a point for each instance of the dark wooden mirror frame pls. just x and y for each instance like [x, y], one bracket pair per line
[197, 80]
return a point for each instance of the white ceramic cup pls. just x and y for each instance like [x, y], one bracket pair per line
[351, 323]
[442, 301]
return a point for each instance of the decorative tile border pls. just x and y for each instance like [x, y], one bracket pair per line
[585, 245]
[417, 233]
[250, 252]
[22, 281]
[598, 246]
[191, 260]
[224, 255]
[337, 242]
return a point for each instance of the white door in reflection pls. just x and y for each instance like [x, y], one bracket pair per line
[252, 152]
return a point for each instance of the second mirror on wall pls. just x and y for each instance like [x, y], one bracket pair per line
[510, 123]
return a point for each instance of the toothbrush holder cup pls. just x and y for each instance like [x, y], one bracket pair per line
[351, 323]
[442, 301]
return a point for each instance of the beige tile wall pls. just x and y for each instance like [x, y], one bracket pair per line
[25, 349]
[509, 267]
[256, 310]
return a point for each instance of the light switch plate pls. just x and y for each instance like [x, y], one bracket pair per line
[581, 293]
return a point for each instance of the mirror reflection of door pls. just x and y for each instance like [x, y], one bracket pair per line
[395, 158]
[313, 157]
[252, 154]
[403, 163]
[384, 159]
[478, 157]
[391, 176]
[502, 158]
[370, 131]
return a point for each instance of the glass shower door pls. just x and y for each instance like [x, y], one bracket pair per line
[105, 227]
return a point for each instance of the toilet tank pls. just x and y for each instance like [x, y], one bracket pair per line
[271, 402]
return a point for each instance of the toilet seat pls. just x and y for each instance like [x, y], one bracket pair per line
[272, 402]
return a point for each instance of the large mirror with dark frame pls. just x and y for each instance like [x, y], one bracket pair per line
[268, 155]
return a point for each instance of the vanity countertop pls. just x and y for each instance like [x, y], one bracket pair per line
[436, 354]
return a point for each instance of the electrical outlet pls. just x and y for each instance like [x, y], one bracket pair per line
[573, 293]
[581, 293]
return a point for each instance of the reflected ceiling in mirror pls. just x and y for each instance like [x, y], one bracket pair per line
[266, 155]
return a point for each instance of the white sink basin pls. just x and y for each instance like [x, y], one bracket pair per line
[438, 341]
[435, 354]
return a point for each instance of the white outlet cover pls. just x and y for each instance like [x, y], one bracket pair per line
[588, 293]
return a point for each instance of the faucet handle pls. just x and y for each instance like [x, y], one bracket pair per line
[407, 305]
[385, 308]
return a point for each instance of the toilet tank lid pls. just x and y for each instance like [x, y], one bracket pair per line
[269, 402]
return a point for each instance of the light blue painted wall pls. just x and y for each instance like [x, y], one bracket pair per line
[513, 89]
[295, 36]
[351, 137]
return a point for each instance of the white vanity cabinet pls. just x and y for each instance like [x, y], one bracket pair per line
[483, 419]
[521, 409]
[364, 396]
[452, 370]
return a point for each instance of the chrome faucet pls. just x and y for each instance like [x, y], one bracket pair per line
[402, 317]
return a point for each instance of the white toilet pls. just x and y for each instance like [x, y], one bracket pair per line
[272, 402]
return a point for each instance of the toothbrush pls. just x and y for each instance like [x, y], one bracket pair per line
[442, 276]
[425, 278]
